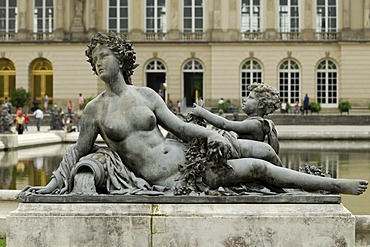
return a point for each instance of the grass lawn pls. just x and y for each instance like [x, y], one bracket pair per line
[2, 241]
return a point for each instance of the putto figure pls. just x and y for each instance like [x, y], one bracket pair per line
[140, 160]
[261, 101]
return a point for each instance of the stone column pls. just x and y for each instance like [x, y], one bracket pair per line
[91, 23]
[308, 31]
[173, 20]
[366, 19]
[270, 19]
[59, 13]
[78, 28]
[22, 28]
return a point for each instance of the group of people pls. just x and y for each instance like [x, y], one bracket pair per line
[297, 108]
[140, 160]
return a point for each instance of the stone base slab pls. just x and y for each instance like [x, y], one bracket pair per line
[142, 225]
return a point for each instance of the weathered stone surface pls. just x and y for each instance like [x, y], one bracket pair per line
[84, 224]
[307, 198]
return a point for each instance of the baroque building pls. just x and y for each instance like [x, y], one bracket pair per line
[192, 49]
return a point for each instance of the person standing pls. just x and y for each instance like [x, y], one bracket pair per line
[39, 115]
[69, 108]
[81, 102]
[26, 121]
[46, 102]
[306, 104]
[19, 124]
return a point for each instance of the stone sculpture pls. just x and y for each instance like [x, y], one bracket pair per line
[5, 121]
[56, 122]
[140, 160]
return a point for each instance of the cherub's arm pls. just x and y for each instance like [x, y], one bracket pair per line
[242, 127]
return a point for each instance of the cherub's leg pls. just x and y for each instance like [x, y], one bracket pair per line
[247, 170]
[259, 150]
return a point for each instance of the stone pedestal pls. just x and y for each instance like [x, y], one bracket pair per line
[145, 224]
[8, 141]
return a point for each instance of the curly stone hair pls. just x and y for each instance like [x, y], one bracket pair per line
[267, 95]
[124, 52]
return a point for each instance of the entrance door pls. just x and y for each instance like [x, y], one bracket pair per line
[193, 82]
[156, 82]
[42, 80]
[193, 87]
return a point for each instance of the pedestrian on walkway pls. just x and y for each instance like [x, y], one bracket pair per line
[81, 102]
[26, 121]
[306, 104]
[39, 115]
[69, 108]
[46, 102]
[19, 123]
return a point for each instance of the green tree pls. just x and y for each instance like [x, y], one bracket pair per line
[20, 97]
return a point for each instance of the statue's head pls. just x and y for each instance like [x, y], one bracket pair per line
[267, 96]
[124, 52]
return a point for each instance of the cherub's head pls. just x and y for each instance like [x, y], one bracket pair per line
[266, 97]
[123, 51]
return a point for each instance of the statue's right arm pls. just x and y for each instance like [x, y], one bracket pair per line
[85, 142]
[223, 123]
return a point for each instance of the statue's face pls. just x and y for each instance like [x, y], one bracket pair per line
[105, 62]
[250, 103]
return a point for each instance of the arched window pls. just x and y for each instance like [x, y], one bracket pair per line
[289, 81]
[156, 77]
[326, 83]
[193, 82]
[251, 72]
[42, 79]
[7, 78]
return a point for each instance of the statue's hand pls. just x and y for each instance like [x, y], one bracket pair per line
[197, 110]
[49, 188]
[218, 149]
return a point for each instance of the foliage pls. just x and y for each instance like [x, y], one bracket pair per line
[20, 97]
[315, 107]
[2, 241]
[369, 106]
[344, 106]
[88, 99]
[224, 106]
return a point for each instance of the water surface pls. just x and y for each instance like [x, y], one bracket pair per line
[346, 159]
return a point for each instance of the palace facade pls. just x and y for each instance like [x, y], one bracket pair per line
[192, 49]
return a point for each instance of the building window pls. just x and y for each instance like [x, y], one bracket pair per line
[288, 19]
[156, 21]
[193, 18]
[43, 17]
[42, 79]
[326, 19]
[7, 78]
[8, 19]
[289, 81]
[251, 72]
[250, 16]
[118, 16]
[326, 87]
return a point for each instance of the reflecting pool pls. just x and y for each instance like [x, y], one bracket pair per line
[344, 159]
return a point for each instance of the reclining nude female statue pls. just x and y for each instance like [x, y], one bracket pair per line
[140, 160]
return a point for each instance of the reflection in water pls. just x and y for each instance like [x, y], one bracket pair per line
[34, 166]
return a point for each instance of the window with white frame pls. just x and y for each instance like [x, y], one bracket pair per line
[251, 16]
[289, 81]
[118, 16]
[193, 16]
[326, 16]
[8, 16]
[326, 83]
[251, 72]
[43, 16]
[156, 20]
[288, 17]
